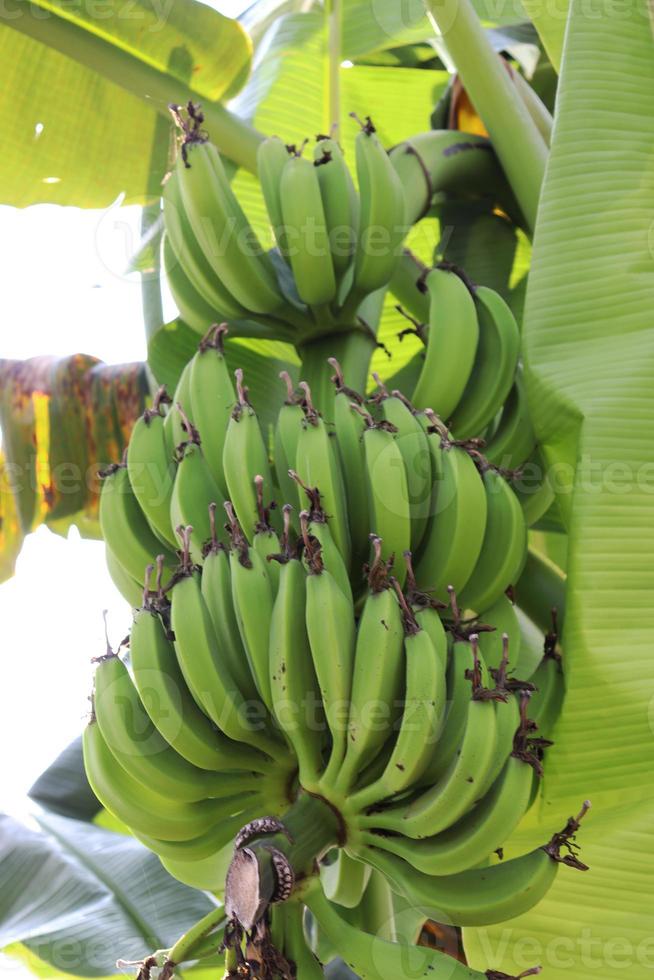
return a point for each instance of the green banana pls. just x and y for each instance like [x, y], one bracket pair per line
[253, 599]
[209, 873]
[502, 616]
[193, 308]
[314, 525]
[187, 252]
[223, 231]
[125, 528]
[306, 232]
[530, 648]
[216, 585]
[128, 587]
[287, 432]
[204, 849]
[205, 671]
[244, 457]
[194, 490]
[504, 546]
[453, 539]
[373, 958]
[438, 807]
[174, 430]
[140, 807]
[480, 832]
[330, 628]
[422, 718]
[478, 896]
[412, 441]
[381, 221]
[151, 469]
[388, 493]
[451, 343]
[547, 700]
[272, 157]
[494, 366]
[212, 400]
[533, 488]
[349, 427]
[377, 675]
[293, 684]
[344, 880]
[142, 752]
[266, 542]
[458, 698]
[513, 439]
[171, 708]
[405, 286]
[317, 465]
[340, 202]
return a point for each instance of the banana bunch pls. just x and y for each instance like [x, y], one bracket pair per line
[330, 625]
[335, 244]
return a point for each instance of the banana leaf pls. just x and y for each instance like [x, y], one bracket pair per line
[77, 896]
[85, 91]
[588, 344]
[63, 420]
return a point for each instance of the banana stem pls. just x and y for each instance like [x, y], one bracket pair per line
[186, 946]
[235, 138]
[353, 350]
[334, 17]
[518, 143]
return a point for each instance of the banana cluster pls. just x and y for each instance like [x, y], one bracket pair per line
[353, 641]
[335, 244]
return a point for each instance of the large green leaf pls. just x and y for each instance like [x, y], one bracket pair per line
[64, 789]
[85, 88]
[588, 343]
[80, 897]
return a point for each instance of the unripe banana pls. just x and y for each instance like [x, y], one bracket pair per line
[453, 540]
[171, 707]
[381, 222]
[504, 547]
[331, 632]
[142, 752]
[225, 235]
[253, 598]
[151, 469]
[217, 593]
[272, 157]
[294, 687]
[340, 202]
[451, 343]
[124, 526]
[305, 228]
[377, 675]
[412, 442]
[212, 400]
[244, 457]
[194, 489]
[349, 427]
[317, 465]
[388, 493]
[494, 367]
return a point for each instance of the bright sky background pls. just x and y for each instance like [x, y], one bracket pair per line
[64, 291]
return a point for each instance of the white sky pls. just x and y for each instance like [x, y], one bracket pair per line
[64, 291]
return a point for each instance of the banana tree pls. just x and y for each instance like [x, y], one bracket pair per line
[565, 200]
